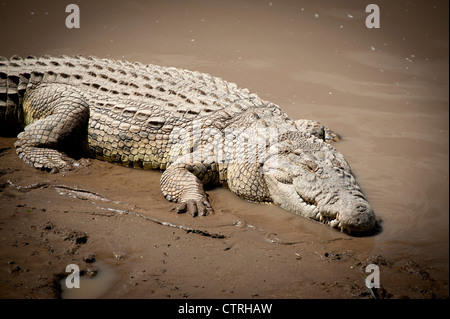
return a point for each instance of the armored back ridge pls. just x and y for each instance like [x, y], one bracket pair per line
[198, 128]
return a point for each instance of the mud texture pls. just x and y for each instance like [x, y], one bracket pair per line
[49, 221]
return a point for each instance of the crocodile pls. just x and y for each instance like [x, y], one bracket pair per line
[199, 130]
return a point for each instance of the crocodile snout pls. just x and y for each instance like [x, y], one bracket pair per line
[356, 216]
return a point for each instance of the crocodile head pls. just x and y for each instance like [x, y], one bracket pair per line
[308, 177]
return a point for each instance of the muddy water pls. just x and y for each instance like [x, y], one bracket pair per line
[384, 90]
[102, 279]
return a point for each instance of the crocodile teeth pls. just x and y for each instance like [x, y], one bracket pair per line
[334, 223]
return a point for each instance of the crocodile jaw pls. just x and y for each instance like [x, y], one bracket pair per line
[351, 214]
[321, 192]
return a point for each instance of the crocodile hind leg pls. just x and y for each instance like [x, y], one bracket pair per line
[56, 115]
[317, 129]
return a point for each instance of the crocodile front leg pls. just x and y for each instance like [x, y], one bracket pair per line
[182, 182]
[56, 114]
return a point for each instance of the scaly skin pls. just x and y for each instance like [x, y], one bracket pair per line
[198, 128]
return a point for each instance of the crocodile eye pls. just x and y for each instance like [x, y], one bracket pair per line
[336, 163]
[311, 166]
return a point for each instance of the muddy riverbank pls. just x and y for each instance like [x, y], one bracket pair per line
[113, 223]
[385, 91]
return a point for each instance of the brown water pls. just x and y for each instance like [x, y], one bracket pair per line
[384, 90]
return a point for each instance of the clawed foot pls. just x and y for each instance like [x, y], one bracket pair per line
[180, 185]
[70, 165]
[319, 130]
[195, 207]
[330, 136]
[49, 160]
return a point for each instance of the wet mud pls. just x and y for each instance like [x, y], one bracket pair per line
[384, 91]
[129, 244]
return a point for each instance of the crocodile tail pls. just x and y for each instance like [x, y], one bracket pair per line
[14, 79]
